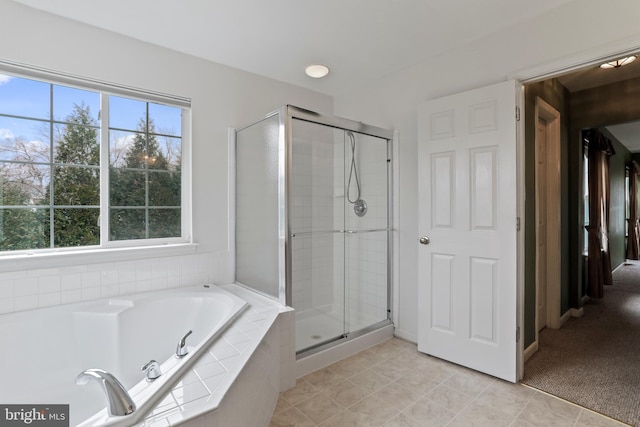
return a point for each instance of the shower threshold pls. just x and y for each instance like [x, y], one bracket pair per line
[311, 360]
[317, 327]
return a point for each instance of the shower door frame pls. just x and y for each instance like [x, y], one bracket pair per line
[287, 114]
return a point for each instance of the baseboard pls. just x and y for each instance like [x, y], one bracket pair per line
[530, 351]
[619, 266]
[577, 312]
[572, 312]
[406, 336]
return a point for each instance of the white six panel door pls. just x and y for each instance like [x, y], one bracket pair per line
[468, 210]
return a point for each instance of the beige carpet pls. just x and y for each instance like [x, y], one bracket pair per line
[594, 361]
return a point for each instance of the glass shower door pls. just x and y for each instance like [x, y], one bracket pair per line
[339, 234]
[366, 217]
[316, 235]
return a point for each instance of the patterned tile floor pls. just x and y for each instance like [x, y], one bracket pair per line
[393, 385]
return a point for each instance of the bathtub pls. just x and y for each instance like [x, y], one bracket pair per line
[44, 350]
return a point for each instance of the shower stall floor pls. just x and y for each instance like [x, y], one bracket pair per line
[317, 326]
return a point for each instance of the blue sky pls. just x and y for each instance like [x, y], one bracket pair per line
[30, 98]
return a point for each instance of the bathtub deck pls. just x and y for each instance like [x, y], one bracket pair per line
[201, 391]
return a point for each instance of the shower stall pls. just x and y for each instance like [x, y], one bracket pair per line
[313, 218]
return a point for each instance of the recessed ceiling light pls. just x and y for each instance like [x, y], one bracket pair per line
[317, 71]
[619, 62]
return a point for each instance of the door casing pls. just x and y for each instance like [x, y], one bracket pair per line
[551, 214]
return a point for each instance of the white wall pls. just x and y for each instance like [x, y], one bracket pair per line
[578, 32]
[221, 97]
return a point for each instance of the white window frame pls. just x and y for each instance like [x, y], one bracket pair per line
[120, 249]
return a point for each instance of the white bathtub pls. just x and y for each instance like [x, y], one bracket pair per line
[44, 350]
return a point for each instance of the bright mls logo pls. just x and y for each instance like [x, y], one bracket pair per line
[34, 415]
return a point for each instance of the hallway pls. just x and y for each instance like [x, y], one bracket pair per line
[594, 361]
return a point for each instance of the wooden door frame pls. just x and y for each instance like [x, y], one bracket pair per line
[551, 116]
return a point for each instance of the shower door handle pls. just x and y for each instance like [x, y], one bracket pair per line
[424, 240]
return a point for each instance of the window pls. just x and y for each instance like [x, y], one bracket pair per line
[86, 168]
[627, 204]
[585, 195]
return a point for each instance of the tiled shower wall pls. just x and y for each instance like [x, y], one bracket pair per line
[38, 288]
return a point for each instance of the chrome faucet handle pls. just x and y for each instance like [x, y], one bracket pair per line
[181, 349]
[152, 370]
[120, 403]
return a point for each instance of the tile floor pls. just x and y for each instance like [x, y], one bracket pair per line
[392, 384]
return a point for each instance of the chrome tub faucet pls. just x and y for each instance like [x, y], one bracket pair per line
[152, 370]
[120, 403]
[181, 349]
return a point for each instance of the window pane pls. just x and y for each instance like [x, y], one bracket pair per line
[23, 229]
[76, 227]
[76, 186]
[120, 143]
[127, 224]
[24, 140]
[134, 153]
[164, 223]
[168, 120]
[24, 97]
[76, 145]
[127, 187]
[67, 100]
[164, 189]
[126, 113]
[170, 153]
[24, 184]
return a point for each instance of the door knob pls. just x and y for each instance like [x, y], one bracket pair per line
[424, 240]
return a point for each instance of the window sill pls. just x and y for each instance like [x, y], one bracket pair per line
[73, 258]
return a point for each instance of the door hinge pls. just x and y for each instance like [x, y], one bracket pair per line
[518, 224]
[517, 114]
[518, 334]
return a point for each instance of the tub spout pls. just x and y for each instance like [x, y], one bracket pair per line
[120, 403]
[181, 349]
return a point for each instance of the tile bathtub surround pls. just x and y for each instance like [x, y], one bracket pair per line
[39, 288]
[391, 384]
[242, 365]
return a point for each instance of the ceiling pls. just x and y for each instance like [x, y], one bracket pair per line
[595, 76]
[359, 40]
[627, 133]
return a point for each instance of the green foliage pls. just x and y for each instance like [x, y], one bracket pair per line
[21, 228]
[145, 182]
[76, 182]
